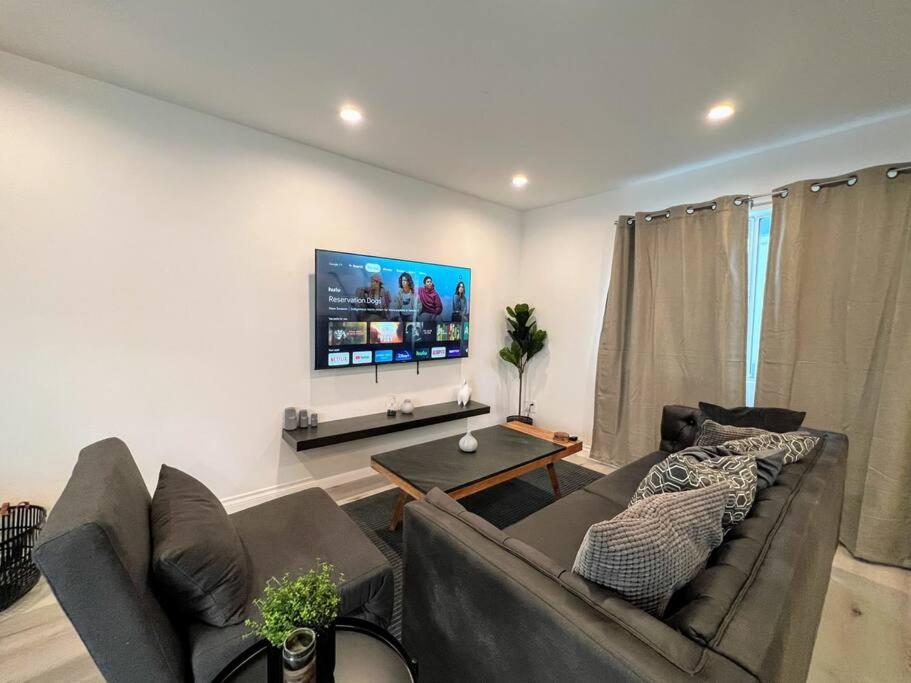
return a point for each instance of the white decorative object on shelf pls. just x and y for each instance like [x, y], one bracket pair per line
[407, 407]
[391, 407]
[468, 444]
[464, 395]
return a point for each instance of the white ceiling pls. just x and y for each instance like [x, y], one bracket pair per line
[580, 95]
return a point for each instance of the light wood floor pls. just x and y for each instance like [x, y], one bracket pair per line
[864, 635]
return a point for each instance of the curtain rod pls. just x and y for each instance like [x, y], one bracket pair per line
[782, 192]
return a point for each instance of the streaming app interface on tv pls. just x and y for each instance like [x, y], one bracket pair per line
[372, 310]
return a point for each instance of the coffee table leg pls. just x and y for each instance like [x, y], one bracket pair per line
[398, 510]
[552, 473]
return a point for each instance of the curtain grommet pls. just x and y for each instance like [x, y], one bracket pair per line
[852, 181]
[714, 205]
[648, 219]
[667, 215]
[815, 188]
[892, 173]
[690, 210]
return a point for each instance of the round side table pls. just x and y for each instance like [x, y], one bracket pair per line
[363, 652]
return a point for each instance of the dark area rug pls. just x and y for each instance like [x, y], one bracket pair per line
[501, 505]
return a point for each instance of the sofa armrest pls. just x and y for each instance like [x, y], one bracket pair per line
[678, 428]
[480, 605]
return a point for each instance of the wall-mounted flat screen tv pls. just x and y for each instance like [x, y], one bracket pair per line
[372, 310]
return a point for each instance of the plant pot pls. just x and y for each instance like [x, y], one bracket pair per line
[520, 418]
[325, 655]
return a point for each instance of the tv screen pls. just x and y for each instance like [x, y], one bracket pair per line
[372, 310]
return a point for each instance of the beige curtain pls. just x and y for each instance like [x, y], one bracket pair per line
[674, 324]
[836, 340]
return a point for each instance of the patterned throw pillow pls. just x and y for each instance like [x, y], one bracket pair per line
[714, 434]
[798, 444]
[693, 470]
[654, 547]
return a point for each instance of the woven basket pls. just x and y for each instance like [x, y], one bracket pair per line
[19, 527]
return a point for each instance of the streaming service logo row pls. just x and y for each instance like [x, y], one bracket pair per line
[341, 358]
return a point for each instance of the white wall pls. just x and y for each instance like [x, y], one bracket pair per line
[567, 250]
[155, 269]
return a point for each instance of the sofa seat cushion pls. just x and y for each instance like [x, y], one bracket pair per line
[288, 535]
[557, 530]
[620, 486]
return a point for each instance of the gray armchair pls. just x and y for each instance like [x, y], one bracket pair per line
[95, 553]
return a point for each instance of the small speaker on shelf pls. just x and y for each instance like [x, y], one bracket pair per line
[290, 420]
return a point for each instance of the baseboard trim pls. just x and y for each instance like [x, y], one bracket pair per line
[242, 501]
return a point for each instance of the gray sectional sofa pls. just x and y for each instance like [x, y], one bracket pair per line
[486, 604]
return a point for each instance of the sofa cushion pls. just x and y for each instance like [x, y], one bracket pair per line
[620, 486]
[768, 462]
[288, 535]
[713, 434]
[769, 419]
[655, 546]
[768, 466]
[688, 470]
[558, 529]
[199, 563]
[798, 444]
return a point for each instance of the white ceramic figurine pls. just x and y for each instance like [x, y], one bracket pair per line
[464, 394]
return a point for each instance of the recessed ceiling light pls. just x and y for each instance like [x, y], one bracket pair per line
[519, 180]
[720, 112]
[351, 114]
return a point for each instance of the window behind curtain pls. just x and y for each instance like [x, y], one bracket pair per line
[760, 228]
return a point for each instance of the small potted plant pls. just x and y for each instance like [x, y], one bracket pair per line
[310, 600]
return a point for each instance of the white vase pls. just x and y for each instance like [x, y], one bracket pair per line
[468, 444]
[407, 407]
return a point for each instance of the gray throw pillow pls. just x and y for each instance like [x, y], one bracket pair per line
[654, 547]
[693, 470]
[713, 434]
[200, 566]
[768, 466]
[770, 419]
[797, 444]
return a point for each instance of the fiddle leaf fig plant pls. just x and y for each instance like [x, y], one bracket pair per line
[527, 340]
[310, 600]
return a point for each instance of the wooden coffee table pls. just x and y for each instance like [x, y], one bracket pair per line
[504, 452]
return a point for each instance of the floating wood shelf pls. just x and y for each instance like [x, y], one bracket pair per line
[364, 426]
